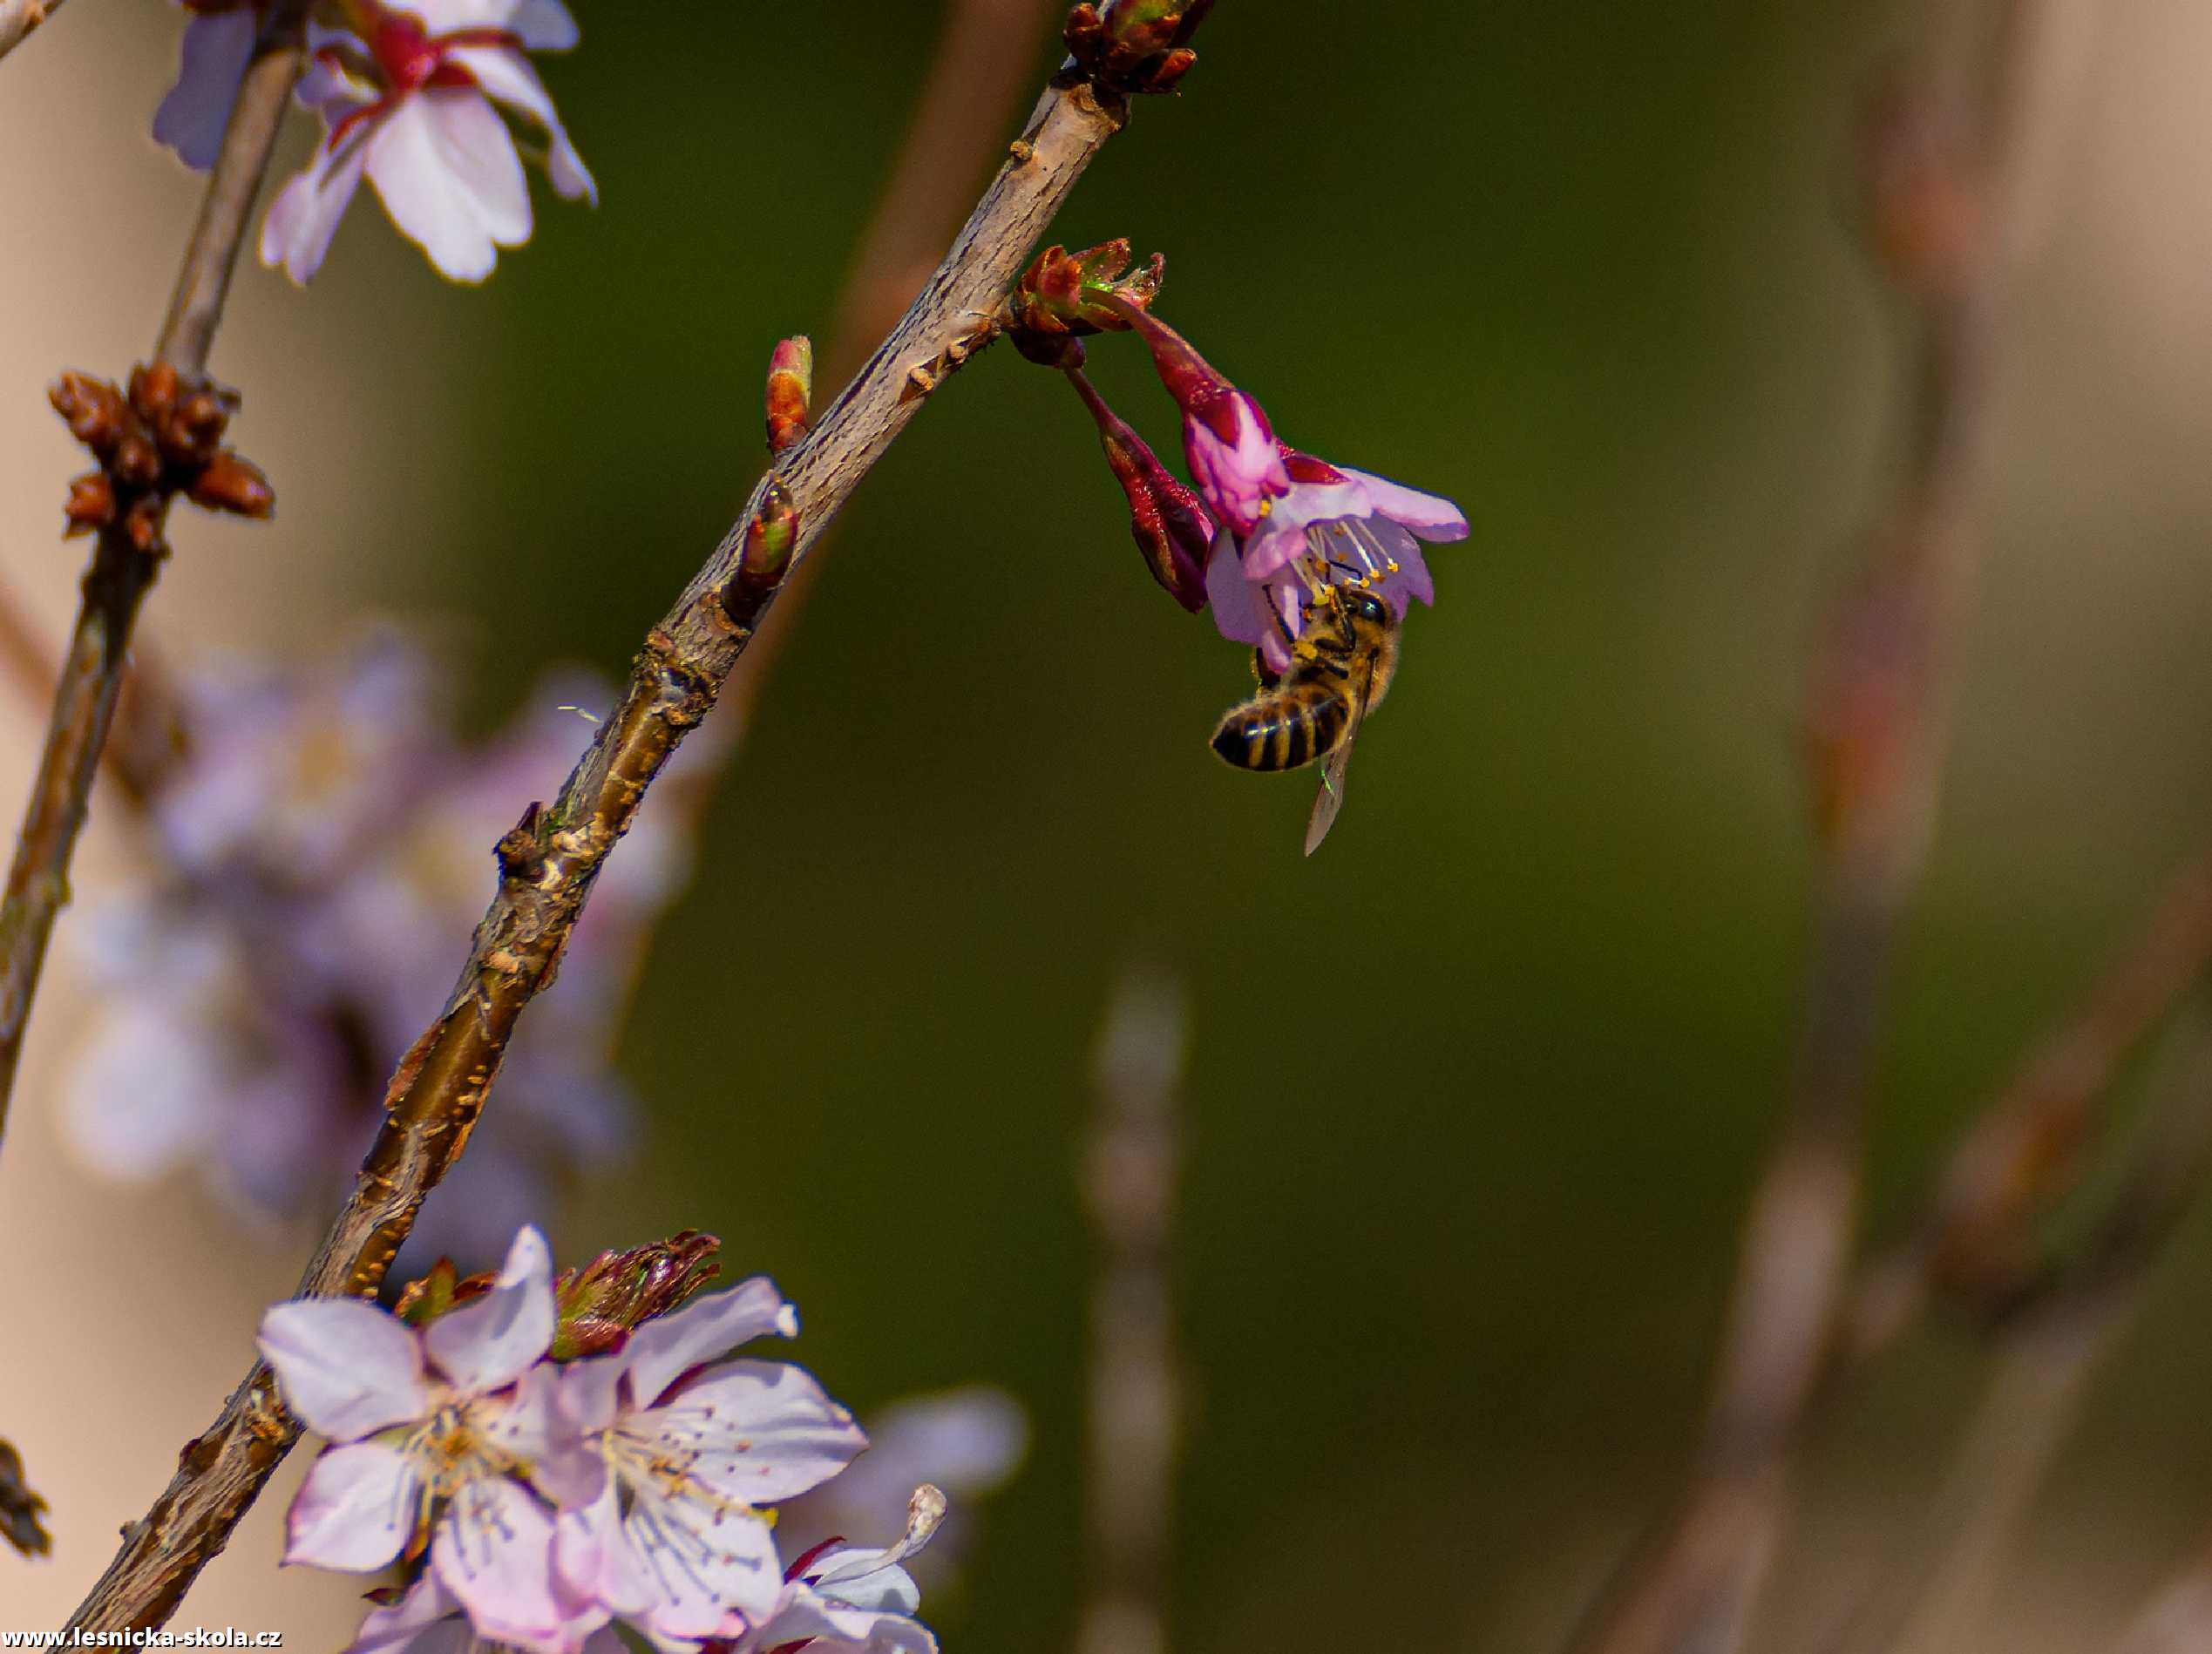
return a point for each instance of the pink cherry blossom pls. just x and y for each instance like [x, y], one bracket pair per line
[429, 1619]
[675, 1542]
[1334, 527]
[419, 103]
[1226, 439]
[450, 1430]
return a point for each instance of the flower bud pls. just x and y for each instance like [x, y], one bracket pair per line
[790, 389]
[227, 483]
[769, 538]
[91, 504]
[1134, 45]
[93, 410]
[152, 390]
[1064, 295]
[1172, 529]
[1226, 439]
[598, 1306]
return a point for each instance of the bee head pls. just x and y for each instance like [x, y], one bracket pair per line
[1366, 607]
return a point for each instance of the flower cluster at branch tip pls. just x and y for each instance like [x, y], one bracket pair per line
[158, 440]
[320, 851]
[537, 1502]
[1267, 529]
[424, 98]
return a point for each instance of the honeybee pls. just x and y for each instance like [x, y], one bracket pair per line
[1341, 670]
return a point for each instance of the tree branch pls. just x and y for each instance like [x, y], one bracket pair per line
[1878, 726]
[19, 17]
[121, 572]
[1136, 1400]
[548, 863]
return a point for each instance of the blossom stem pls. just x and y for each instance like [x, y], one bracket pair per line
[1694, 1584]
[19, 17]
[552, 857]
[121, 572]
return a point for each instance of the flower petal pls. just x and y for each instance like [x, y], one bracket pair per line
[217, 47]
[702, 1563]
[506, 76]
[662, 1350]
[425, 1621]
[356, 1511]
[495, 1339]
[1430, 516]
[807, 1616]
[1235, 601]
[862, 1578]
[303, 219]
[494, 1550]
[447, 168]
[531, 1425]
[148, 1094]
[595, 1558]
[761, 1431]
[345, 1367]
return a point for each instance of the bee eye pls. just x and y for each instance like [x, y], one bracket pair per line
[1370, 607]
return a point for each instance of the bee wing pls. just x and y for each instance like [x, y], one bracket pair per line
[1330, 800]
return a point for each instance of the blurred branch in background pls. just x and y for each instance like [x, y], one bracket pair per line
[19, 17]
[550, 860]
[1137, 1407]
[1947, 198]
[1972, 1240]
[129, 549]
[1944, 1579]
[983, 62]
[2178, 1619]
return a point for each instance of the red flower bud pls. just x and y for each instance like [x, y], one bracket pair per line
[93, 410]
[91, 504]
[769, 539]
[790, 389]
[228, 483]
[1172, 529]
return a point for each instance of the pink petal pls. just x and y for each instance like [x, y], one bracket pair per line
[494, 1550]
[763, 1431]
[860, 1578]
[508, 78]
[588, 1392]
[1430, 516]
[447, 168]
[594, 1558]
[356, 1510]
[303, 219]
[494, 1339]
[544, 25]
[807, 1616]
[533, 1425]
[425, 1621]
[217, 47]
[662, 1352]
[703, 1564]
[348, 1369]
[1236, 613]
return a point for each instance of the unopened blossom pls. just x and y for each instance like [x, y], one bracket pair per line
[1226, 439]
[217, 46]
[690, 1449]
[1293, 525]
[449, 1432]
[320, 853]
[419, 100]
[1172, 529]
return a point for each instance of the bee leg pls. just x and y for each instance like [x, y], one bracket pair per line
[1267, 680]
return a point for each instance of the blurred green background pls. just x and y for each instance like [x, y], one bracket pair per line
[1476, 1094]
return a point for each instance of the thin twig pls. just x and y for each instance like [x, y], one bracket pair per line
[92, 670]
[1878, 722]
[1970, 1241]
[19, 17]
[1136, 1410]
[548, 863]
[983, 61]
[1932, 1599]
